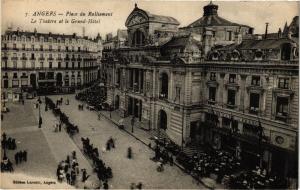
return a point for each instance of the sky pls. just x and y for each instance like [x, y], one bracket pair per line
[252, 13]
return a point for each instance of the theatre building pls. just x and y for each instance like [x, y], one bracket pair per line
[214, 82]
[46, 62]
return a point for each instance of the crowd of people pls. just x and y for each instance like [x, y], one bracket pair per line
[20, 157]
[64, 119]
[256, 179]
[103, 172]
[93, 96]
[68, 170]
[8, 143]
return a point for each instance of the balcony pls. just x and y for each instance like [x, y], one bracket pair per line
[59, 59]
[42, 59]
[50, 59]
[230, 106]
[163, 96]
[282, 116]
[67, 59]
[32, 58]
[14, 58]
[24, 58]
[5, 58]
[211, 102]
[253, 110]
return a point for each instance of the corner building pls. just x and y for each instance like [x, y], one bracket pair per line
[47, 63]
[210, 82]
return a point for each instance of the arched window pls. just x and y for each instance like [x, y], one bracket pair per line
[164, 81]
[138, 38]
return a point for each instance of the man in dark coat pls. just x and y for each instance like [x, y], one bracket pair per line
[17, 158]
[68, 177]
[105, 185]
[25, 155]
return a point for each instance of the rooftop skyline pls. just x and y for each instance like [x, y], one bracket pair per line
[254, 14]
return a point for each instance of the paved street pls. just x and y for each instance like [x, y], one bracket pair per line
[125, 171]
[44, 147]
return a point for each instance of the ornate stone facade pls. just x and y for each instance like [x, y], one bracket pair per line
[241, 94]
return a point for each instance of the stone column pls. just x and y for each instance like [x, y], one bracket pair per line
[140, 80]
[242, 92]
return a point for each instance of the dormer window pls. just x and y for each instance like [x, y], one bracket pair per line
[258, 55]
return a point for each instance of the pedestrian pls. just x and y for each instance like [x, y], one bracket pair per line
[1, 117]
[25, 155]
[84, 175]
[17, 158]
[129, 153]
[68, 178]
[99, 116]
[59, 127]
[105, 185]
[23, 101]
[73, 177]
[74, 154]
[171, 160]
[139, 185]
[107, 145]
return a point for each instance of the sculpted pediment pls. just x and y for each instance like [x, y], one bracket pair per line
[136, 19]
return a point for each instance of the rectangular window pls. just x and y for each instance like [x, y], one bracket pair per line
[231, 97]
[212, 94]
[14, 46]
[50, 75]
[67, 48]
[15, 64]
[50, 47]
[283, 83]
[255, 81]
[23, 46]
[213, 76]
[50, 65]
[41, 65]
[32, 47]
[78, 64]
[282, 106]
[232, 78]
[78, 49]
[42, 76]
[59, 65]
[58, 48]
[73, 65]
[67, 64]
[254, 102]
[41, 48]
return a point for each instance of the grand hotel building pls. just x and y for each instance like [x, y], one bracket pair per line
[52, 62]
[212, 81]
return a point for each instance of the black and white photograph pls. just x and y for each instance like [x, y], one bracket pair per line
[149, 94]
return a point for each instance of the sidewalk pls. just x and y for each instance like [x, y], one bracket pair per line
[144, 136]
[58, 139]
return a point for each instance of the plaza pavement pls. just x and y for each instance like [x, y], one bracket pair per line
[45, 149]
[125, 171]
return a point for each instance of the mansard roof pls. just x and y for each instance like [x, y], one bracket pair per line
[258, 44]
[180, 41]
[143, 16]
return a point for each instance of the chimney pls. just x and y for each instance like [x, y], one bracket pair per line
[279, 33]
[267, 24]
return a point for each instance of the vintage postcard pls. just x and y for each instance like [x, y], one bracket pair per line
[136, 94]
